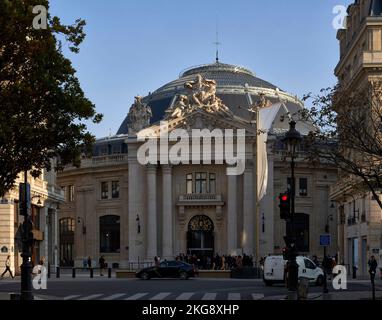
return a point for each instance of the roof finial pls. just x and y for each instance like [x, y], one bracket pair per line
[217, 43]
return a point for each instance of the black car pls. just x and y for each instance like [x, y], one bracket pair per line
[168, 269]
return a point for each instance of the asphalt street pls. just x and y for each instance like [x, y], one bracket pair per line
[99, 288]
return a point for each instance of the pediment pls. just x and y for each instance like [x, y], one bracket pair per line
[200, 119]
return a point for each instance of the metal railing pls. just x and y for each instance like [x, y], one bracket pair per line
[200, 197]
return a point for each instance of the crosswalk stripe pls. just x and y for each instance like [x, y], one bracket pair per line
[209, 296]
[91, 297]
[257, 296]
[72, 297]
[185, 296]
[114, 296]
[161, 296]
[137, 296]
[234, 296]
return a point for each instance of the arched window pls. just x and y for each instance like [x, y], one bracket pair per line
[67, 226]
[109, 234]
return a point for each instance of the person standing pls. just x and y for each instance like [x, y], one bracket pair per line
[156, 262]
[102, 265]
[8, 267]
[89, 262]
[373, 264]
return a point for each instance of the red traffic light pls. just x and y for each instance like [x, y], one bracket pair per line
[284, 197]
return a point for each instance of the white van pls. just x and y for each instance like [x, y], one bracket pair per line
[274, 267]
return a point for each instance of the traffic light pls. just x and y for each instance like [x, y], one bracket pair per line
[285, 253]
[284, 206]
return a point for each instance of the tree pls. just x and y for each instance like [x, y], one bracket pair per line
[348, 134]
[42, 106]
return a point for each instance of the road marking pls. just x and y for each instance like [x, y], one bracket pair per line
[72, 297]
[114, 296]
[185, 296]
[91, 297]
[161, 296]
[234, 296]
[257, 296]
[137, 296]
[209, 296]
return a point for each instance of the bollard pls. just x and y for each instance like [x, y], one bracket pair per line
[91, 272]
[372, 278]
[15, 296]
[73, 272]
[354, 272]
[57, 272]
[109, 273]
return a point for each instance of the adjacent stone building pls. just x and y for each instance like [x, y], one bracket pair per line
[359, 215]
[46, 198]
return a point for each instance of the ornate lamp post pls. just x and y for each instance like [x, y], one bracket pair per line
[292, 139]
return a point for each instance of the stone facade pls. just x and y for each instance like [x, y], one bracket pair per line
[167, 209]
[358, 215]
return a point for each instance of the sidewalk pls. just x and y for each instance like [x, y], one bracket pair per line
[341, 295]
[7, 296]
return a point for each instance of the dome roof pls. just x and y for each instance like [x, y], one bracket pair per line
[223, 74]
[233, 85]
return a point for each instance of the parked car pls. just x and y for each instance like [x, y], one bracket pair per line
[168, 269]
[274, 270]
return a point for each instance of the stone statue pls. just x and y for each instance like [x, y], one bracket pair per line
[179, 109]
[201, 95]
[139, 116]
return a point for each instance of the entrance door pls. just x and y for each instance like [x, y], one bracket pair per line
[200, 239]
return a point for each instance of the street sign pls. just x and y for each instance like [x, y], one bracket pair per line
[325, 240]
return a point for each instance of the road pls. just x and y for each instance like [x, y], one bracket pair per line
[99, 288]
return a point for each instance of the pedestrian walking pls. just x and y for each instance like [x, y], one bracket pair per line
[89, 262]
[8, 267]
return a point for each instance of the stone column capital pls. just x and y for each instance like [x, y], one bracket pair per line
[151, 169]
[167, 169]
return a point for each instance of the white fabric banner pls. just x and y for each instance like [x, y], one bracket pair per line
[266, 118]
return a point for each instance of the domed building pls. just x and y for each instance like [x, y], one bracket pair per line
[132, 205]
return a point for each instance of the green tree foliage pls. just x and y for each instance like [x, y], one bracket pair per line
[43, 109]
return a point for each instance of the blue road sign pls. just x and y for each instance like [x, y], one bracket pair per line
[325, 240]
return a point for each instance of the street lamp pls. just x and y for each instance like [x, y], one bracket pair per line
[27, 240]
[292, 139]
[325, 288]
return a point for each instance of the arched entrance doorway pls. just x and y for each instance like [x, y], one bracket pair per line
[200, 238]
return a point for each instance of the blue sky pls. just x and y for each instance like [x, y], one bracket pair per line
[135, 46]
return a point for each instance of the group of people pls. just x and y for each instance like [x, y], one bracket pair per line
[87, 263]
[217, 262]
[35, 271]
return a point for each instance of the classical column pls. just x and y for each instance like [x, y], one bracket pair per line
[248, 212]
[232, 215]
[136, 203]
[168, 225]
[151, 212]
